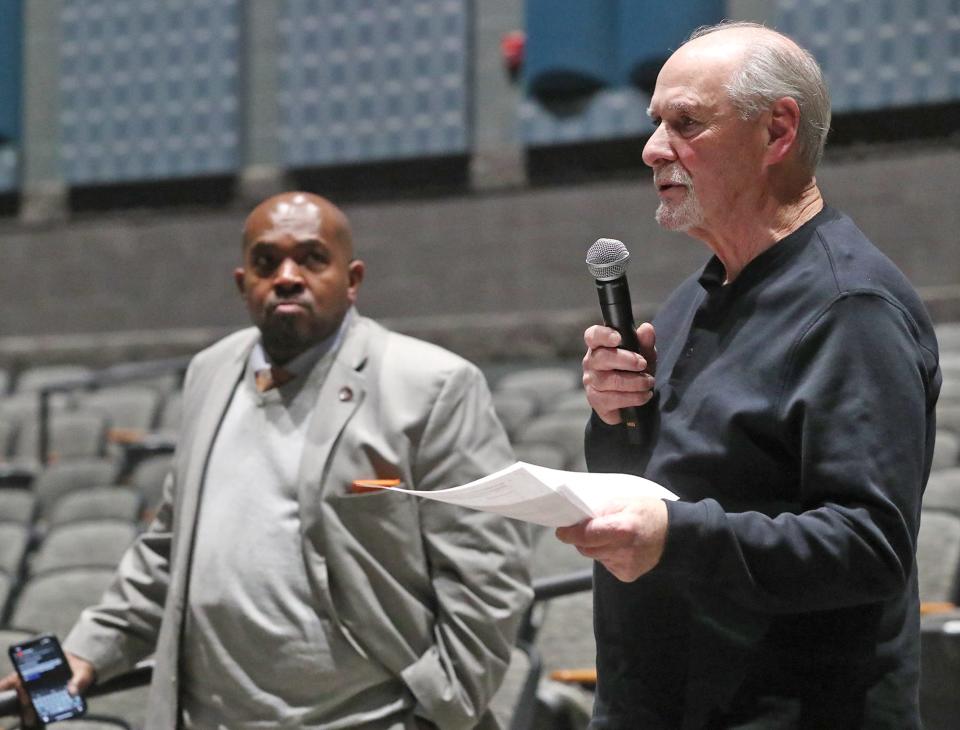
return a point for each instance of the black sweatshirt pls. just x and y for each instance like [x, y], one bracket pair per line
[794, 417]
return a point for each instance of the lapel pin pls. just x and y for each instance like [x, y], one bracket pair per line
[345, 394]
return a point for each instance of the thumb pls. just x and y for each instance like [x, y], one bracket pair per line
[83, 675]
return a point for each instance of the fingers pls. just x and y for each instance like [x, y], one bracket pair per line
[628, 539]
[599, 336]
[608, 391]
[28, 716]
[83, 674]
[648, 346]
[614, 378]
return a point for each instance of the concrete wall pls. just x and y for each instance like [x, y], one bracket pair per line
[493, 275]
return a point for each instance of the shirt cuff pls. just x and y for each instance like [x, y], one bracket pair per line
[685, 522]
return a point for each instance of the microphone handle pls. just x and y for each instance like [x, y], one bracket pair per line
[618, 314]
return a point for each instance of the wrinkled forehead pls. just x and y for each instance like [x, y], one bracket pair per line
[696, 75]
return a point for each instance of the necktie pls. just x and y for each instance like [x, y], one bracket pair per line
[272, 377]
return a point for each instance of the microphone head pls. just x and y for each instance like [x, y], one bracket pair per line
[607, 259]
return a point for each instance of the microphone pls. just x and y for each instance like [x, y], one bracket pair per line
[607, 263]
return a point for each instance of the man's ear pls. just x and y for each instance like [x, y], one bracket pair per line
[782, 129]
[238, 275]
[355, 271]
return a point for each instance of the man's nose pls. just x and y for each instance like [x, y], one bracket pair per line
[658, 150]
[288, 274]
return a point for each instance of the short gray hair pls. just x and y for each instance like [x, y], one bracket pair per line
[775, 67]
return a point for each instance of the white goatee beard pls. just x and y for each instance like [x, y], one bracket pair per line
[687, 213]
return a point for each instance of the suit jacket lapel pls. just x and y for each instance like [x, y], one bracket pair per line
[342, 392]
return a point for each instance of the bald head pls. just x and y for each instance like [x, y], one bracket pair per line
[301, 213]
[765, 66]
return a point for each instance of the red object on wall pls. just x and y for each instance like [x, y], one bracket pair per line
[512, 45]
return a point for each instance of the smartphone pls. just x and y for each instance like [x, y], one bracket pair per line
[44, 671]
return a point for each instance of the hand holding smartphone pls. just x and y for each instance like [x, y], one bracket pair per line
[44, 672]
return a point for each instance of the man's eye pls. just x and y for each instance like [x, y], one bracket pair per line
[262, 262]
[315, 258]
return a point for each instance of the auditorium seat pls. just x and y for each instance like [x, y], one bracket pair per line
[543, 384]
[170, 412]
[514, 409]
[562, 430]
[943, 491]
[946, 450]
[52, 601]
[108, 502]
[14, 543]
[9, 637]
[948, 417]
[17, 505]
[6, 588]
[8, 433]
[148, 477]
[71, 435]
[573, 402]
[83, 544]
[548, 455]
[948, 336]
[129, 408]
[36, 377]
[949, 390]
[56, 480]
[938, 556]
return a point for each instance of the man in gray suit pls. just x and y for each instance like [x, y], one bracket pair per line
[272, 588]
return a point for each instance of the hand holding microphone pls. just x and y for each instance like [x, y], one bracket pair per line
[621, 359]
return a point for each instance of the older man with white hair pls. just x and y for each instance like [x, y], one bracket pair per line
[786, 393]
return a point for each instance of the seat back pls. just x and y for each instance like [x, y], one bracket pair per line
[56, 480]
[14, 543]
[938, 556]
[17, 505]
[51, 602]
[564, 430]
[132, 407]
[109, 502]
[943, 491]
[90, 543]
[34, 378]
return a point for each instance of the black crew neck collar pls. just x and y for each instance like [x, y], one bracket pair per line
[714, 273]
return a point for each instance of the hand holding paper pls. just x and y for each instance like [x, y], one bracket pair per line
[549, 497]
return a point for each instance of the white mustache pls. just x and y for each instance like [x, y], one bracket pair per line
[673, 175]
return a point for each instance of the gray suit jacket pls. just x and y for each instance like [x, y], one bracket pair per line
[432, 592]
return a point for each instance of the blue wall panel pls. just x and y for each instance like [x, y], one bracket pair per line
[149, 89]
[11, 68]
[606, 115]
[373, 80]
[11, 72]
[880, 53]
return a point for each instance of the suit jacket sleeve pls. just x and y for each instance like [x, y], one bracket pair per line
[478, 562]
